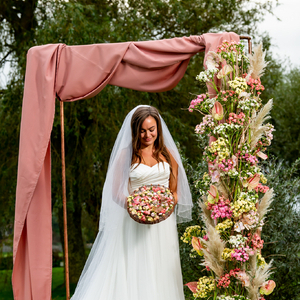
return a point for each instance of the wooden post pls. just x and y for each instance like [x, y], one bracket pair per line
[244, 37]
[63, 165]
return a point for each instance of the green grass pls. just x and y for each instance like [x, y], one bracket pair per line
[5, 285]
[58, 287]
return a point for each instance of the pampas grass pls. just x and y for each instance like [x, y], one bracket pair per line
[262, 116]
[252, 264]
[257, 128]
[264, 203]
[256, 135]
[261, 275]
[257, 62]
[206, 214]
[213, 251]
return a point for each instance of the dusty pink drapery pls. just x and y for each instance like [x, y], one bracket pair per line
[73, 73]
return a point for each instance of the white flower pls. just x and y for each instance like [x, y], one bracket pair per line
[207, 75]
[237, 241]
[239, 226]
[212, 60]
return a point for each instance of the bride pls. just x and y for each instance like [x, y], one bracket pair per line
[129, 260]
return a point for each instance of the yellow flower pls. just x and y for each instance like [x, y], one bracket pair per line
[204, 287]
[263, 179]
[190, 232]
[221, 227]
[226, 254]
[260, 261]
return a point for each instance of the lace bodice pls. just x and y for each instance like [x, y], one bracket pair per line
[145, 175]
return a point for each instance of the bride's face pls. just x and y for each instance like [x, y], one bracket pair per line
[148, 133]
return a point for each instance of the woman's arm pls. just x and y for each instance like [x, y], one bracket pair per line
[119, 181]
[173, 178]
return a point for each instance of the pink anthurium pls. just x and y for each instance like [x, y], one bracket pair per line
[262, 155]
[253, 181]
[267, 287]
[192, 286]
[217, 111]
[196, 243]
[224, 71]
[213, 195]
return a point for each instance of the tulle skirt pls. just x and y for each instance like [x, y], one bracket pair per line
[133, 262]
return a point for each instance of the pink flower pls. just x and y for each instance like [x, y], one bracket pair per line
[261, 188]
[262, 155]
[213, 195]
[224, 281]
[217, 111]
[252, 182]
[243, 277]
[196, 243]
[221, 209]
[212, 60]
[257, 242]
[192, 286]
[240, 254]
[227, 69]
[267, 287]
[215, 176]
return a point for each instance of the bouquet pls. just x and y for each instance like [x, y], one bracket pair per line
[150, 204]
[235, 197]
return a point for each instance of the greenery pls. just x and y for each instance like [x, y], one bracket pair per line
[91, 127]
[282, 230]
[58, 287]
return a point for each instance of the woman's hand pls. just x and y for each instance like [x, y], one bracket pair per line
[175, 198]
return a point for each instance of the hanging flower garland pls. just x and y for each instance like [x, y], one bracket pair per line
[235, 198]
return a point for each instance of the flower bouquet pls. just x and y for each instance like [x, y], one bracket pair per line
[150, 204]
[235, 198]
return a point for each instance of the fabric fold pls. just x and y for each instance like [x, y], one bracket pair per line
[73, 73]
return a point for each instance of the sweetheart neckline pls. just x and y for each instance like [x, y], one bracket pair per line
[153, 165]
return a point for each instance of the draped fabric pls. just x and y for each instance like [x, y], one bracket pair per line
[72, 73]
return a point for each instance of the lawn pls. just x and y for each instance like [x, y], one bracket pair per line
[58, 288]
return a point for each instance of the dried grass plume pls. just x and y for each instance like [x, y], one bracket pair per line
[257, 62]
[213, 251]
[261, 275]
[257, 128]
[206, 214]
[264, 203]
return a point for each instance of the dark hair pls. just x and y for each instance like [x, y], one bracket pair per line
[137, 120]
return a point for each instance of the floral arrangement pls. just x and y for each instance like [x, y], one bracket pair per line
[234, 196]
[150, 204]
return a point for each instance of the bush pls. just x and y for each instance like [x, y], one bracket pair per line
[6, 262]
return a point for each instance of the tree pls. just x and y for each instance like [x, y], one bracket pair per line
[286, 116]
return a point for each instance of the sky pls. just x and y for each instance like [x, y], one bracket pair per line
[285, 34]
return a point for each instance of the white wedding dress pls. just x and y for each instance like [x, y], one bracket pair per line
[144, 262]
